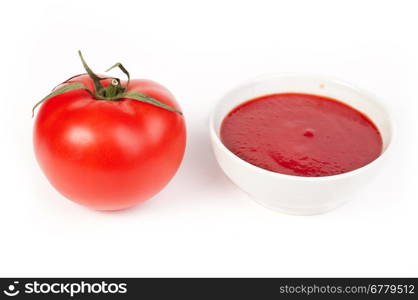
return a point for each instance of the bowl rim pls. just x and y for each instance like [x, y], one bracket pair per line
[216, 139]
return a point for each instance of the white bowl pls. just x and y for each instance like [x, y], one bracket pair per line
[295, 194]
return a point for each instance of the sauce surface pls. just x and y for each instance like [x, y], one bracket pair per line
[301, 134]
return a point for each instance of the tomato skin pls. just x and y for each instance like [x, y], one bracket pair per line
[109, 155]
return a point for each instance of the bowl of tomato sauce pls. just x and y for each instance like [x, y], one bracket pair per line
[300, 144]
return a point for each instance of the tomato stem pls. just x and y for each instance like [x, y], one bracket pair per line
[113, 89]
[123, 69]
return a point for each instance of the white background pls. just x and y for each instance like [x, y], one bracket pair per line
[201, 224]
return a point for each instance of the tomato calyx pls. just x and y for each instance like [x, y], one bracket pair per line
[113, 92]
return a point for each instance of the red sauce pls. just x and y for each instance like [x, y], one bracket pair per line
[301, 134]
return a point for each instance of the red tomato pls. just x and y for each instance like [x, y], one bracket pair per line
[109, 155]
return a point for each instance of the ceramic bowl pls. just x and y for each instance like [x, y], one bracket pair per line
[295, 194]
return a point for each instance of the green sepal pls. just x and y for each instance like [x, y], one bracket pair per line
[96, 79]
[135, 95]
[75, 76]
[66, 88]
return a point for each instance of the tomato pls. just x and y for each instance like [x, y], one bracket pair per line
[109, 155]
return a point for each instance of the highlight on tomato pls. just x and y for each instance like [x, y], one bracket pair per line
[108, 143]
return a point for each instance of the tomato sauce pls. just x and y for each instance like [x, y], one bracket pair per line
[301, 134]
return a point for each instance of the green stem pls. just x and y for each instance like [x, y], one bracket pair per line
[123, 69]
[113, 89]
